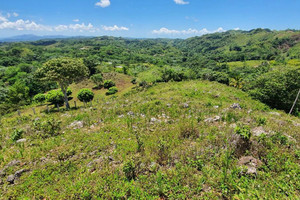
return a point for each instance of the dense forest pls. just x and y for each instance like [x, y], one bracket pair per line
[262, 62]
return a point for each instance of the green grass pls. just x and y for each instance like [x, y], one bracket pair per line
[155, 144]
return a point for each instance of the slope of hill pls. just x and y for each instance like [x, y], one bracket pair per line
[187, 140]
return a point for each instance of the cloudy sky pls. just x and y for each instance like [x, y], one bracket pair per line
[144, 18]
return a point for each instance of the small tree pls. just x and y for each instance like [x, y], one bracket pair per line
[97, 79]
[64, 71]
[39, 98]
[85, 95]
[108, 84]
[112, 90]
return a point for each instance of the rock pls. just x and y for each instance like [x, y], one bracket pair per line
[185, 105]
[13, 163]
[153, 119]
[97, 161]
[21, 140]
[233, 125]
[120, 116]
[274, 113]
[216, 107]
[215, 119]
[130, 113]
[76, 125]
[110, 158]
[236, 106]
[66, 115]
[20, 172]
[11, 179]
[169, 105]
[250, 163]
[296, 124]
[2, 172]
[153, 167]
[258, 131]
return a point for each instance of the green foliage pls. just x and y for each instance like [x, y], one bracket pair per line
[47, 128]
[112, 90]
[64, 71]
[39, 98]
[85, 95]
[55, 97]
[97, 79]
[108, 84]
[17, 134]
[244, 132]
[129, 170]
[277, 89]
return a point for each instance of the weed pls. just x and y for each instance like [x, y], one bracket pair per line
[17, 134]
[244, 132]
[129, 170]
[48, 128]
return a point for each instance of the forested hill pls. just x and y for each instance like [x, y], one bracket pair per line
[257, 44]
[244, 59]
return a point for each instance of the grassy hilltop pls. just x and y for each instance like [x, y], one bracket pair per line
[186, 140]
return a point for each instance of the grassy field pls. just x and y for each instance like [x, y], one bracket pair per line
[171, 141]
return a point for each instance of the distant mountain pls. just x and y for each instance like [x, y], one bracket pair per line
[30, 37]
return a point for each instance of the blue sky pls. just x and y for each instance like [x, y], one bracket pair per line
[144, 18]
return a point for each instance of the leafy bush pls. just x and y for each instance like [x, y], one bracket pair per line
[17, 134]
[244, 132]
[97, 79]
[129, 170]
[112, 90]
[85, 95]
[108, 84]
[48, 128]
[39, 98]
[56, 96]
[278, 89]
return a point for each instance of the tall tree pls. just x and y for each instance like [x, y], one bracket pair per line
[64, 71]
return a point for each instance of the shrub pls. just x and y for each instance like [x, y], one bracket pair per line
[97, 79]
[244, 132]
[17, 134]
[133, 81]
[112, 90]
[48, 128]
[278, 88]
[85, 95]
[39, 98]
[56, 96]
[129, 170]
[108, 84]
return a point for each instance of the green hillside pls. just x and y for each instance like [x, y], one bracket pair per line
[235, 58]
[185, 140]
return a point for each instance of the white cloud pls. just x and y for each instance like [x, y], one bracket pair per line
[22, 25]
[103, 3]
[115, 28]
[3, 19]
[181, 2]
[236, 29]
[76, 27]
[75, 20]
[27, 25]
[15, 14]
[165, 31]
[190, 31]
